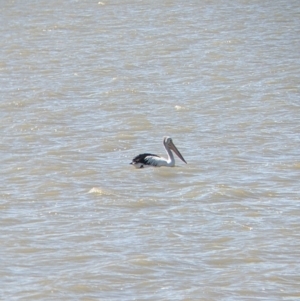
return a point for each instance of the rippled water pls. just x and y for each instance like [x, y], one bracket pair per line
[86, 86]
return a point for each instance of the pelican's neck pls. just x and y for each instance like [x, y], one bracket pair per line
[171, 160]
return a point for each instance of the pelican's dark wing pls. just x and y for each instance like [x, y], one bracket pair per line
[144, 159]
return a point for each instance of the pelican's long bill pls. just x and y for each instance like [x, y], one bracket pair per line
[176, 151]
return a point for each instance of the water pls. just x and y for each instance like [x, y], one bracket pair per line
[86, 86]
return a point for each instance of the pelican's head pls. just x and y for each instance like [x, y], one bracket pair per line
[168, 143]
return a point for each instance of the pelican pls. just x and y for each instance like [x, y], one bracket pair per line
[146, 160]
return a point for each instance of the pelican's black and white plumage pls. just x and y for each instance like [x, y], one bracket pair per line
[145, 160]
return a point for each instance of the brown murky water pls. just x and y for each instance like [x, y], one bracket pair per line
[86, 86]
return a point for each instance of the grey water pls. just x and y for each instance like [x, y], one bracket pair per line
[88, 85]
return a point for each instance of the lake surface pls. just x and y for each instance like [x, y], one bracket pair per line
[88, 85]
